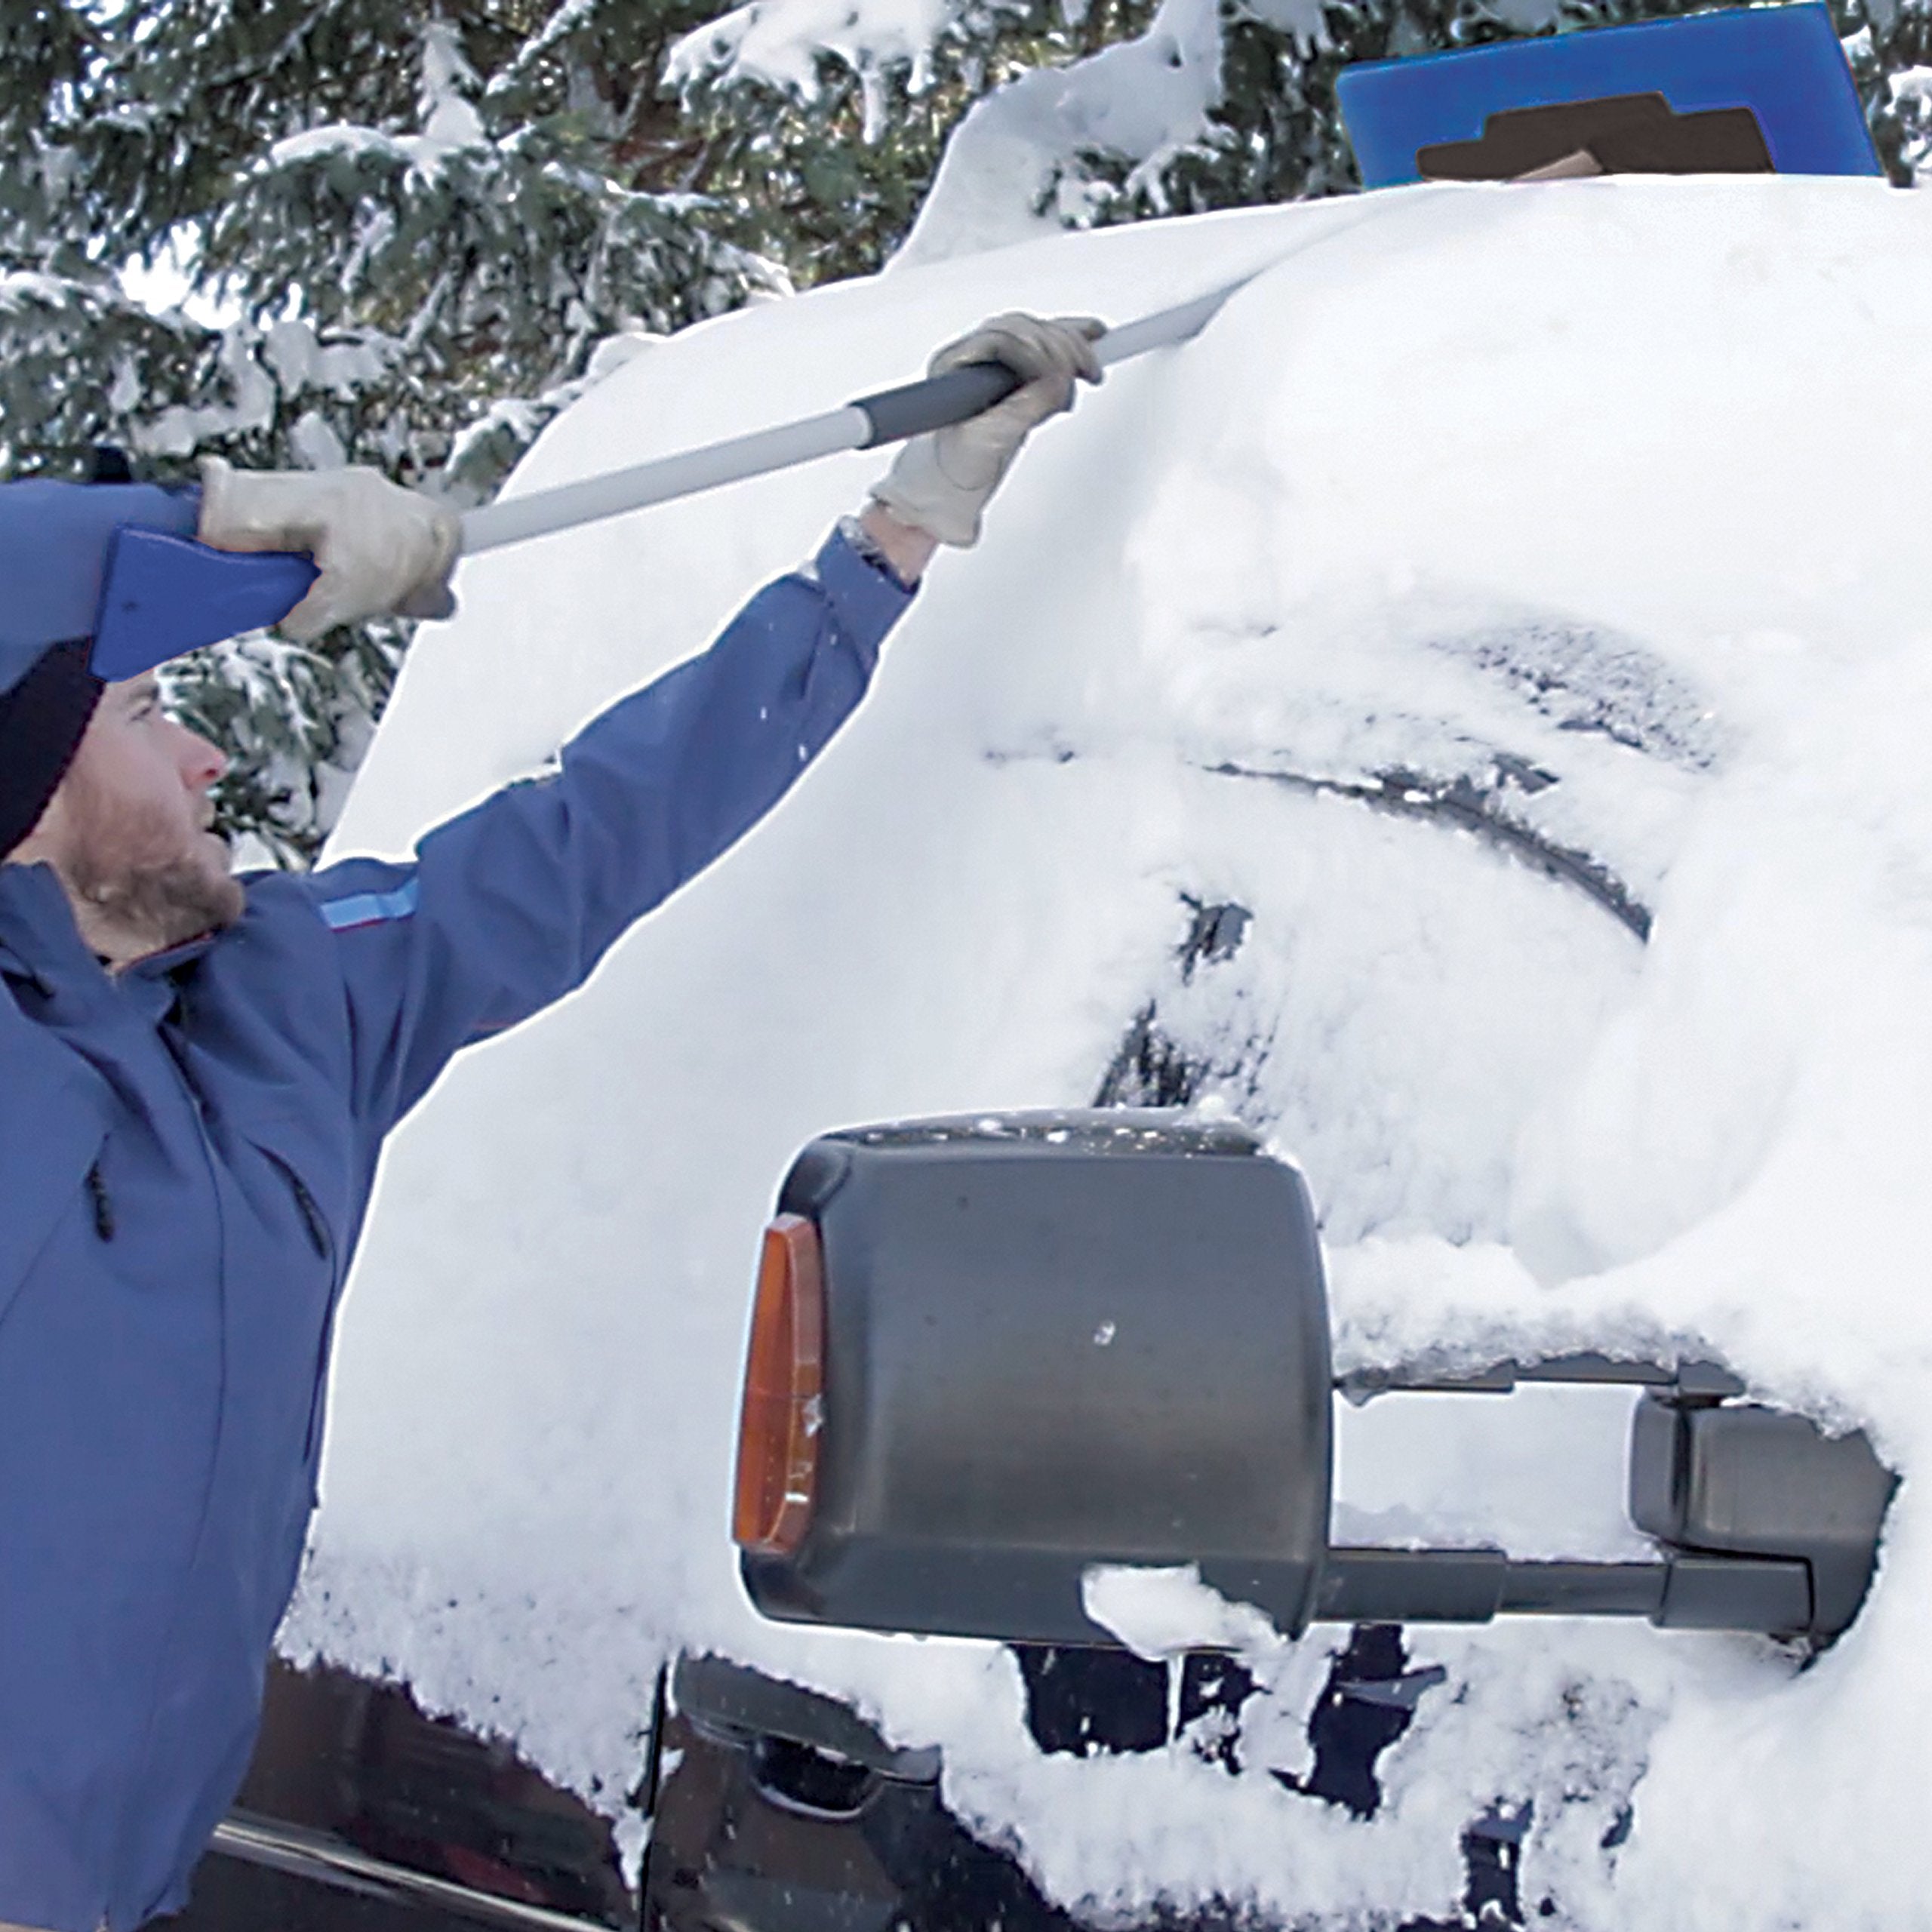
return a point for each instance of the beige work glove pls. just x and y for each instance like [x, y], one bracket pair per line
[940, 482]
[383, 550]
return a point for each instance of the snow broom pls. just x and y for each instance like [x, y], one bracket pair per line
[166, 588]
[1749, 90]
[990, 1358]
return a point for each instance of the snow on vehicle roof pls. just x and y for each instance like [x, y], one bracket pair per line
[1598, 506]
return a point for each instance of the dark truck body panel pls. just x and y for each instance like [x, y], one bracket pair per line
[771, 1808]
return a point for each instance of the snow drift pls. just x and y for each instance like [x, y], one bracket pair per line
[1601, 501]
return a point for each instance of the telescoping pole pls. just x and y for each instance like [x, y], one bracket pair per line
[889, 417]
[168, 595]
[165, 595]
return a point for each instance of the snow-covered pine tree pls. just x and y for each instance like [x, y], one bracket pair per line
[409, 233]
[1092, 115]
[77, 352]
[827, 141]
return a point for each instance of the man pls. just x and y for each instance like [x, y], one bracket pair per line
[197, 1073]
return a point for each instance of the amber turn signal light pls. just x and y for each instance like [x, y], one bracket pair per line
[779, 1426]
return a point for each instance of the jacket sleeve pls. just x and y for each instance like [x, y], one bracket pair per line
[510, 907]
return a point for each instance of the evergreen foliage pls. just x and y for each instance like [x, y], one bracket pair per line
[1273, 132]
[826, 173]
[409, 233]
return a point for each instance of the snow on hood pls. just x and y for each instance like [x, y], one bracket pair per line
[1601, 501]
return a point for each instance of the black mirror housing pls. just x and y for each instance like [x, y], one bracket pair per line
[1021, 1316]
[1745, 1480]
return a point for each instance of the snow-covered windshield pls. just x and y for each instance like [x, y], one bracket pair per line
[1466, 714]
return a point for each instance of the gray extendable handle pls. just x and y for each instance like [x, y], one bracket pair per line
[962, 394]
[937, 403]
[887, 417]
[684, 475]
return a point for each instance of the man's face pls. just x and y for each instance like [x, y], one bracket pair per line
[129, 830]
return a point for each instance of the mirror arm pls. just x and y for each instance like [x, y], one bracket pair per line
[1769, 1594]
[1687, 1382]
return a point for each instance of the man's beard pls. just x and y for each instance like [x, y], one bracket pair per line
[154, 901]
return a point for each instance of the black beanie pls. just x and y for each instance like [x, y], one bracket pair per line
[42, 720]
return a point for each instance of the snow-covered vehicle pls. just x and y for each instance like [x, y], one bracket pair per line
[1463, 717]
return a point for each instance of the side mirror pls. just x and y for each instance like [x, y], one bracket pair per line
[1047, 1341]
[989, 1354]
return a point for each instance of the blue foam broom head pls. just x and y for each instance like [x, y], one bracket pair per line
[1763, 90]
[166, 594]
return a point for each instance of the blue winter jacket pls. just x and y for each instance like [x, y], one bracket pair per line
[187, 1153]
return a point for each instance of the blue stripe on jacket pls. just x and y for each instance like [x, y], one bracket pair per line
[368, 909]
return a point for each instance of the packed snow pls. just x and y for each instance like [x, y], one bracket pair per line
[1161, 1612]
[1603, 500]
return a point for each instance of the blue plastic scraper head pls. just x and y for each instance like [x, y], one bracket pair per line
[163, 595]
[1749, 90]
